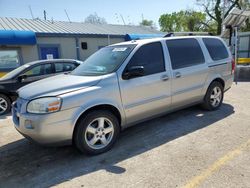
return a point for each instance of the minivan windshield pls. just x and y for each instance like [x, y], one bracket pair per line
[104, 61]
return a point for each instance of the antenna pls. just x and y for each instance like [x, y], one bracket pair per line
[117, 18]
[122, 19]
[67, 15]
[44, 15]
[31, 13]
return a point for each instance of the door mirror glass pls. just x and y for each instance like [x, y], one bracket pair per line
[132, 72]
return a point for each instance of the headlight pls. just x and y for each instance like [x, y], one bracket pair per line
[44, 105]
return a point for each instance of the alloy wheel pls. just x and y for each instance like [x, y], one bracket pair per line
[215, 97]
[3, 105]
[99, 133]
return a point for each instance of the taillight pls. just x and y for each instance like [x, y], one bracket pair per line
[233, 66]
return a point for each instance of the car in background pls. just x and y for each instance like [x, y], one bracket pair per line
[28, 73]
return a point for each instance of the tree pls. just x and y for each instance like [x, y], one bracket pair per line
[215, 9]
[147, 23]
[183, 21]
[95, 19]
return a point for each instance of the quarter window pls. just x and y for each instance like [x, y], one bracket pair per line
[150, 56]
[184, 53]
[216, 48]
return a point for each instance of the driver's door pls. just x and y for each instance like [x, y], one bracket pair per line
[150, 94]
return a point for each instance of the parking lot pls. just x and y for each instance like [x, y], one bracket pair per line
[188, 148]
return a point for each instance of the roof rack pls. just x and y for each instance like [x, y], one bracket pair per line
[171, 34]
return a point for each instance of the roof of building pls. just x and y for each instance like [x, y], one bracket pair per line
[62, 27]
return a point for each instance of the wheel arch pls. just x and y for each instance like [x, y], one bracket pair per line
[107, 107]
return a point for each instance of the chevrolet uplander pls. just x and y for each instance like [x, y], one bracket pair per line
[121, 85]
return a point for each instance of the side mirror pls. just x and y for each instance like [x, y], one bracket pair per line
[133, 72]
[21, 78]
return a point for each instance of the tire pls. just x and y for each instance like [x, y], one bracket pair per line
[5, 104]
[92, 136]
[213, 100]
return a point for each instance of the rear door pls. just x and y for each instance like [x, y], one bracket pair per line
[189, 70]
[149, 94]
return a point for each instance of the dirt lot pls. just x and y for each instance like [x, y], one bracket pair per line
[188, 148]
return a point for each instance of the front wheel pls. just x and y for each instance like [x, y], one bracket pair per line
[5, 104]
[96, 132]
[214, 96]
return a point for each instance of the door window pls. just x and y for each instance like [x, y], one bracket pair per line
[47, 69]
[184, 53]
[39, 70]
[64, 67]
[69, 67]
[150, 56]
[35, 71]
[58, 67]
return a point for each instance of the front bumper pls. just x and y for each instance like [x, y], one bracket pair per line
[50, 129]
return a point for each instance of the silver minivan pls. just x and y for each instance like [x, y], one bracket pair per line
[121, 85]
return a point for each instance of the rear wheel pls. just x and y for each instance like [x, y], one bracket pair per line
[5, 104]
[214, 96]
[96, 132]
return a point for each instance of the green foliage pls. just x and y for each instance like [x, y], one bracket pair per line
[183, 21]
[147, 23]
[216, 9]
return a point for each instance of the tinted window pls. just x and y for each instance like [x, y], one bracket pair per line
[58, 67]
[69, 66]
[150, 56]
[64, 67]
[216, 48]
[35, 71]
[47, 69]
[184, 53]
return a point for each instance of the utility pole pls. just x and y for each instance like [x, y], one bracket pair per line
[67, 15]
[44, 15]
[31, 13]
[123, 19]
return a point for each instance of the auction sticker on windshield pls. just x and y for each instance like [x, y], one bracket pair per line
[119, 49]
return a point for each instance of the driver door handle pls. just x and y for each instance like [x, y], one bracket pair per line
[177, 75]
[164, 77]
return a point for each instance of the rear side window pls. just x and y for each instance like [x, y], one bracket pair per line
[150, 56]
[64, 67]
[69, 66]
[184, 53]
[216, 48]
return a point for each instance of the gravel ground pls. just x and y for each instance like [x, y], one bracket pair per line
[188, 148]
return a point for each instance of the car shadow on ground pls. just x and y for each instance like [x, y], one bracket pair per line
[26, 164]
[5, 116]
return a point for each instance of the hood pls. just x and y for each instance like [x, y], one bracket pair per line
[5, 80]
[57, 85]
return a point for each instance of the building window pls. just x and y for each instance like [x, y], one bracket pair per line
[9, 59]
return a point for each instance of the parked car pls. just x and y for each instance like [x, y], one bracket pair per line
[28, 73]
[121, 85]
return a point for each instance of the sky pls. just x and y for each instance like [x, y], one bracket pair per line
[131, 10]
